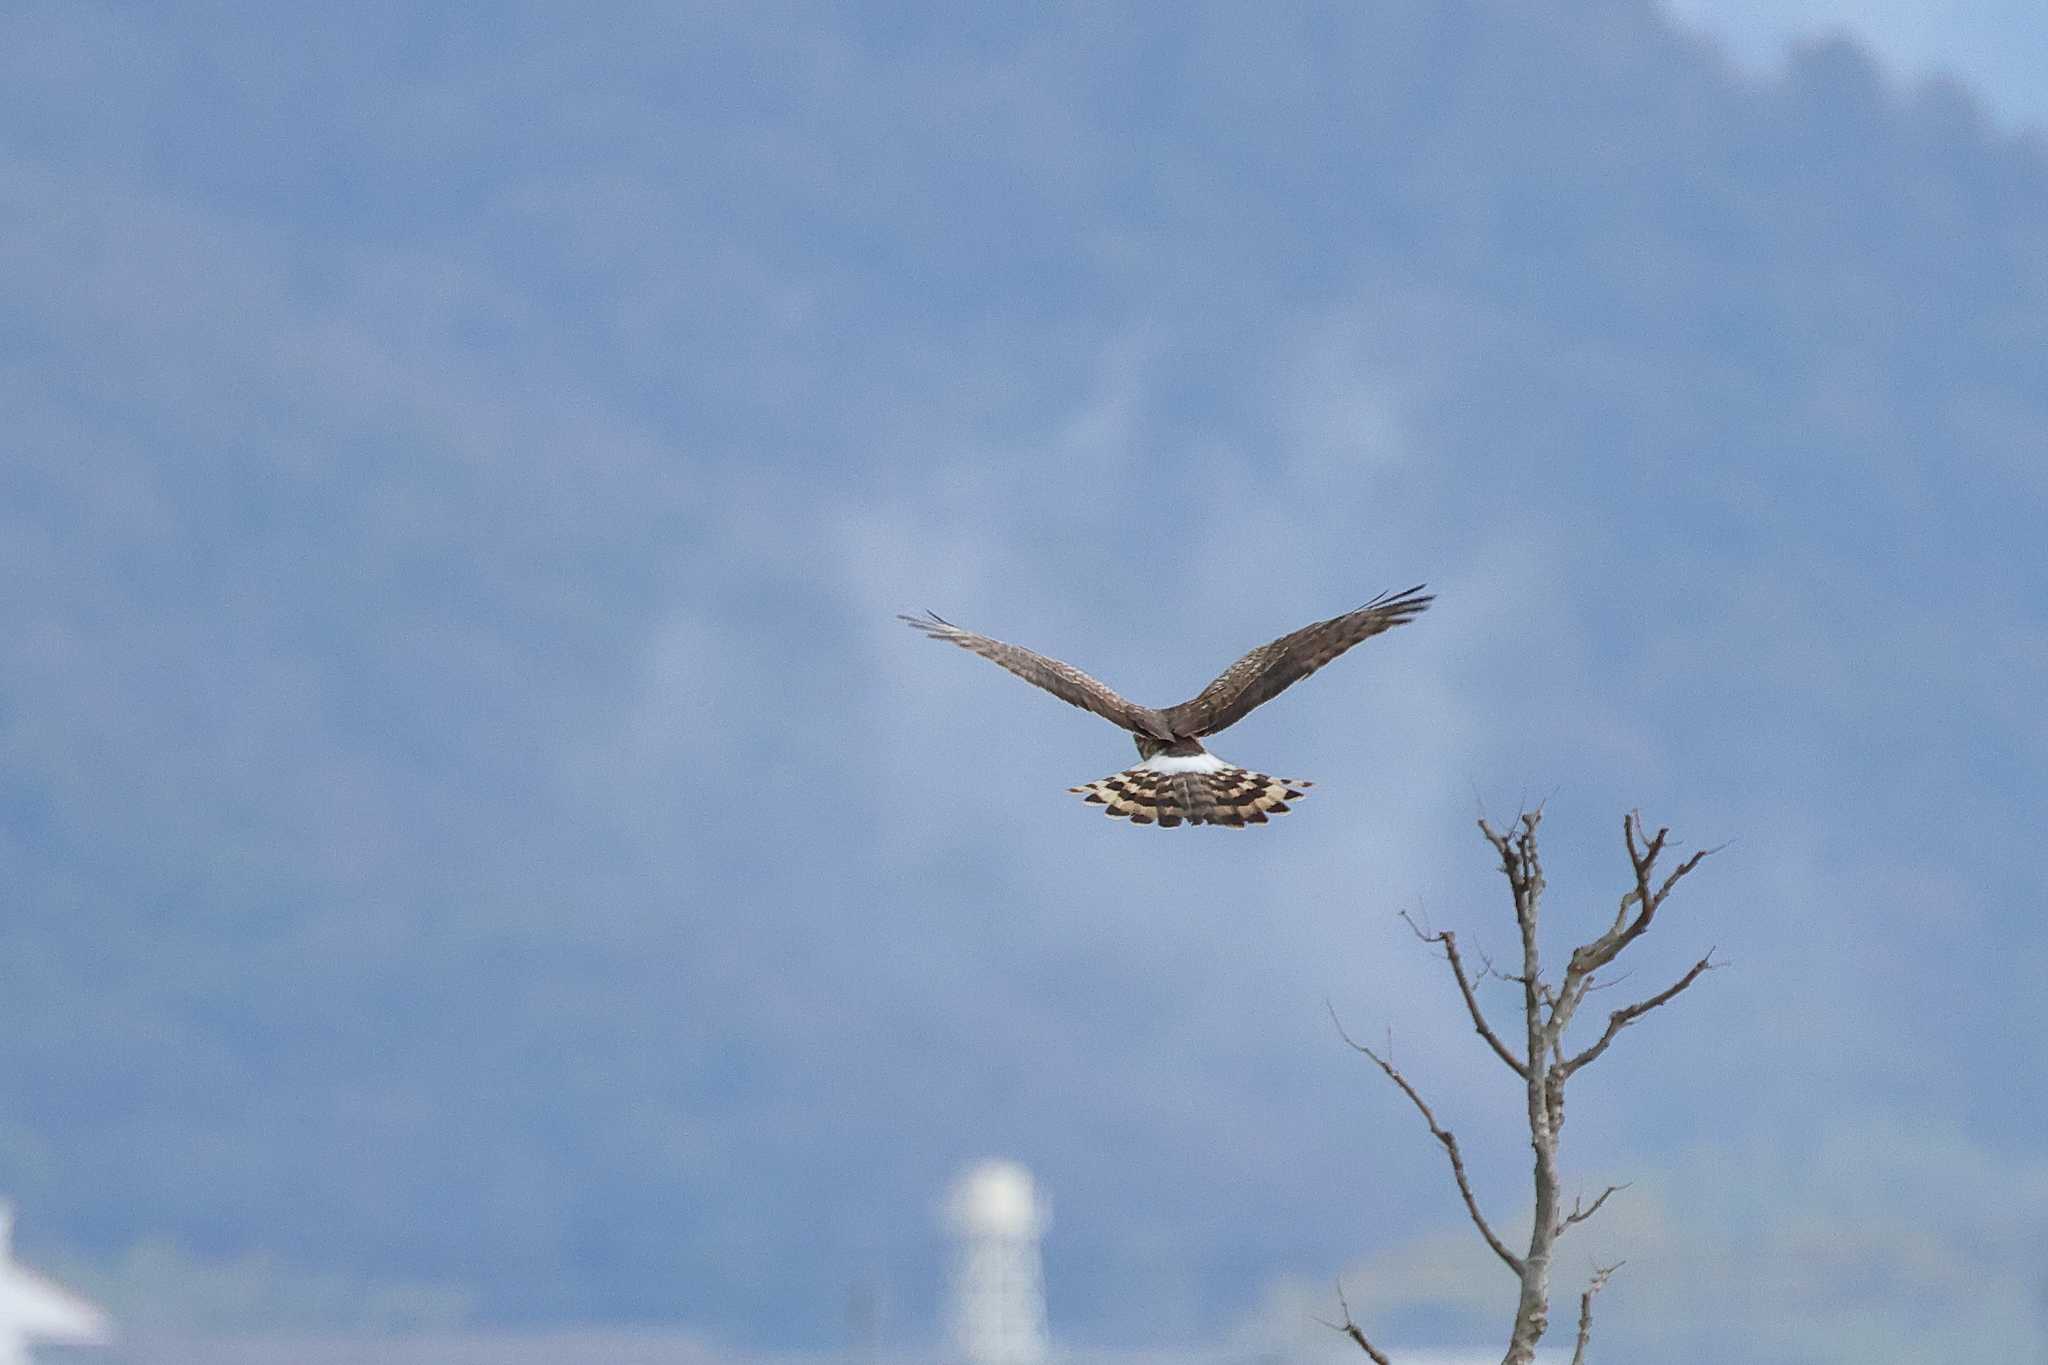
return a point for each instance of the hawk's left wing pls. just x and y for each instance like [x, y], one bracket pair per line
[1271, 669]
[1064, 681]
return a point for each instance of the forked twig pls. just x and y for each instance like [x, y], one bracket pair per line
[1449, 942]
[1353, 1330]
[1628, 1014]
[1581, 1214]
[1599, 1283]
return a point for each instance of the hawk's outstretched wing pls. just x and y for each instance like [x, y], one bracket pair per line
[1064, 681]
[1271, 669]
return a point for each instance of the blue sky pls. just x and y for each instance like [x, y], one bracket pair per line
[480, 834]
[1991, 46]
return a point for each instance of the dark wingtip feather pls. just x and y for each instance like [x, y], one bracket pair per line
[931, 623]
[1404, 601]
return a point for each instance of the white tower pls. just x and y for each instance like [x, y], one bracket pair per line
[33, 1309]
[998, 1310]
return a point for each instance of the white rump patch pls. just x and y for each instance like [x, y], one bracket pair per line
[1184, 763]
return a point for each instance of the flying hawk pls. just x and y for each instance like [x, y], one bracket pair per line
[1178, 781]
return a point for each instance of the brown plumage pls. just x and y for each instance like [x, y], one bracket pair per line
[1229, 796]
[1179, 781]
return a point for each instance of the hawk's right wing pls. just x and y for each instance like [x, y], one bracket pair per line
[1064, 681]
[1271, 669]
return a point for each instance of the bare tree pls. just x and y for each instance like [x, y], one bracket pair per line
[1543, 1062]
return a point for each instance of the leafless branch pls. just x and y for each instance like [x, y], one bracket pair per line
[1640, 898]
[1642, 857]
[1645, 901]
[1599, 1282]
[1548, 1006]
[1621, 911]
[1450, 1146]
[1631, 830]
[1449, 942]
[1628, 1014]
[1581, 1214]
[1352, 1329]
[1426, 935]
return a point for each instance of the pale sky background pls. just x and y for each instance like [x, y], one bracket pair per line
[1995, 47]
[480, 849]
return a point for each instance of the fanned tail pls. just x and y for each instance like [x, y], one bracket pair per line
[1228, 796]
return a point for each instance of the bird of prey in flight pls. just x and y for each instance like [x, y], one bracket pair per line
[1177, 781]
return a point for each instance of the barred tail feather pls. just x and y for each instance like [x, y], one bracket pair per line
[1228, 796]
